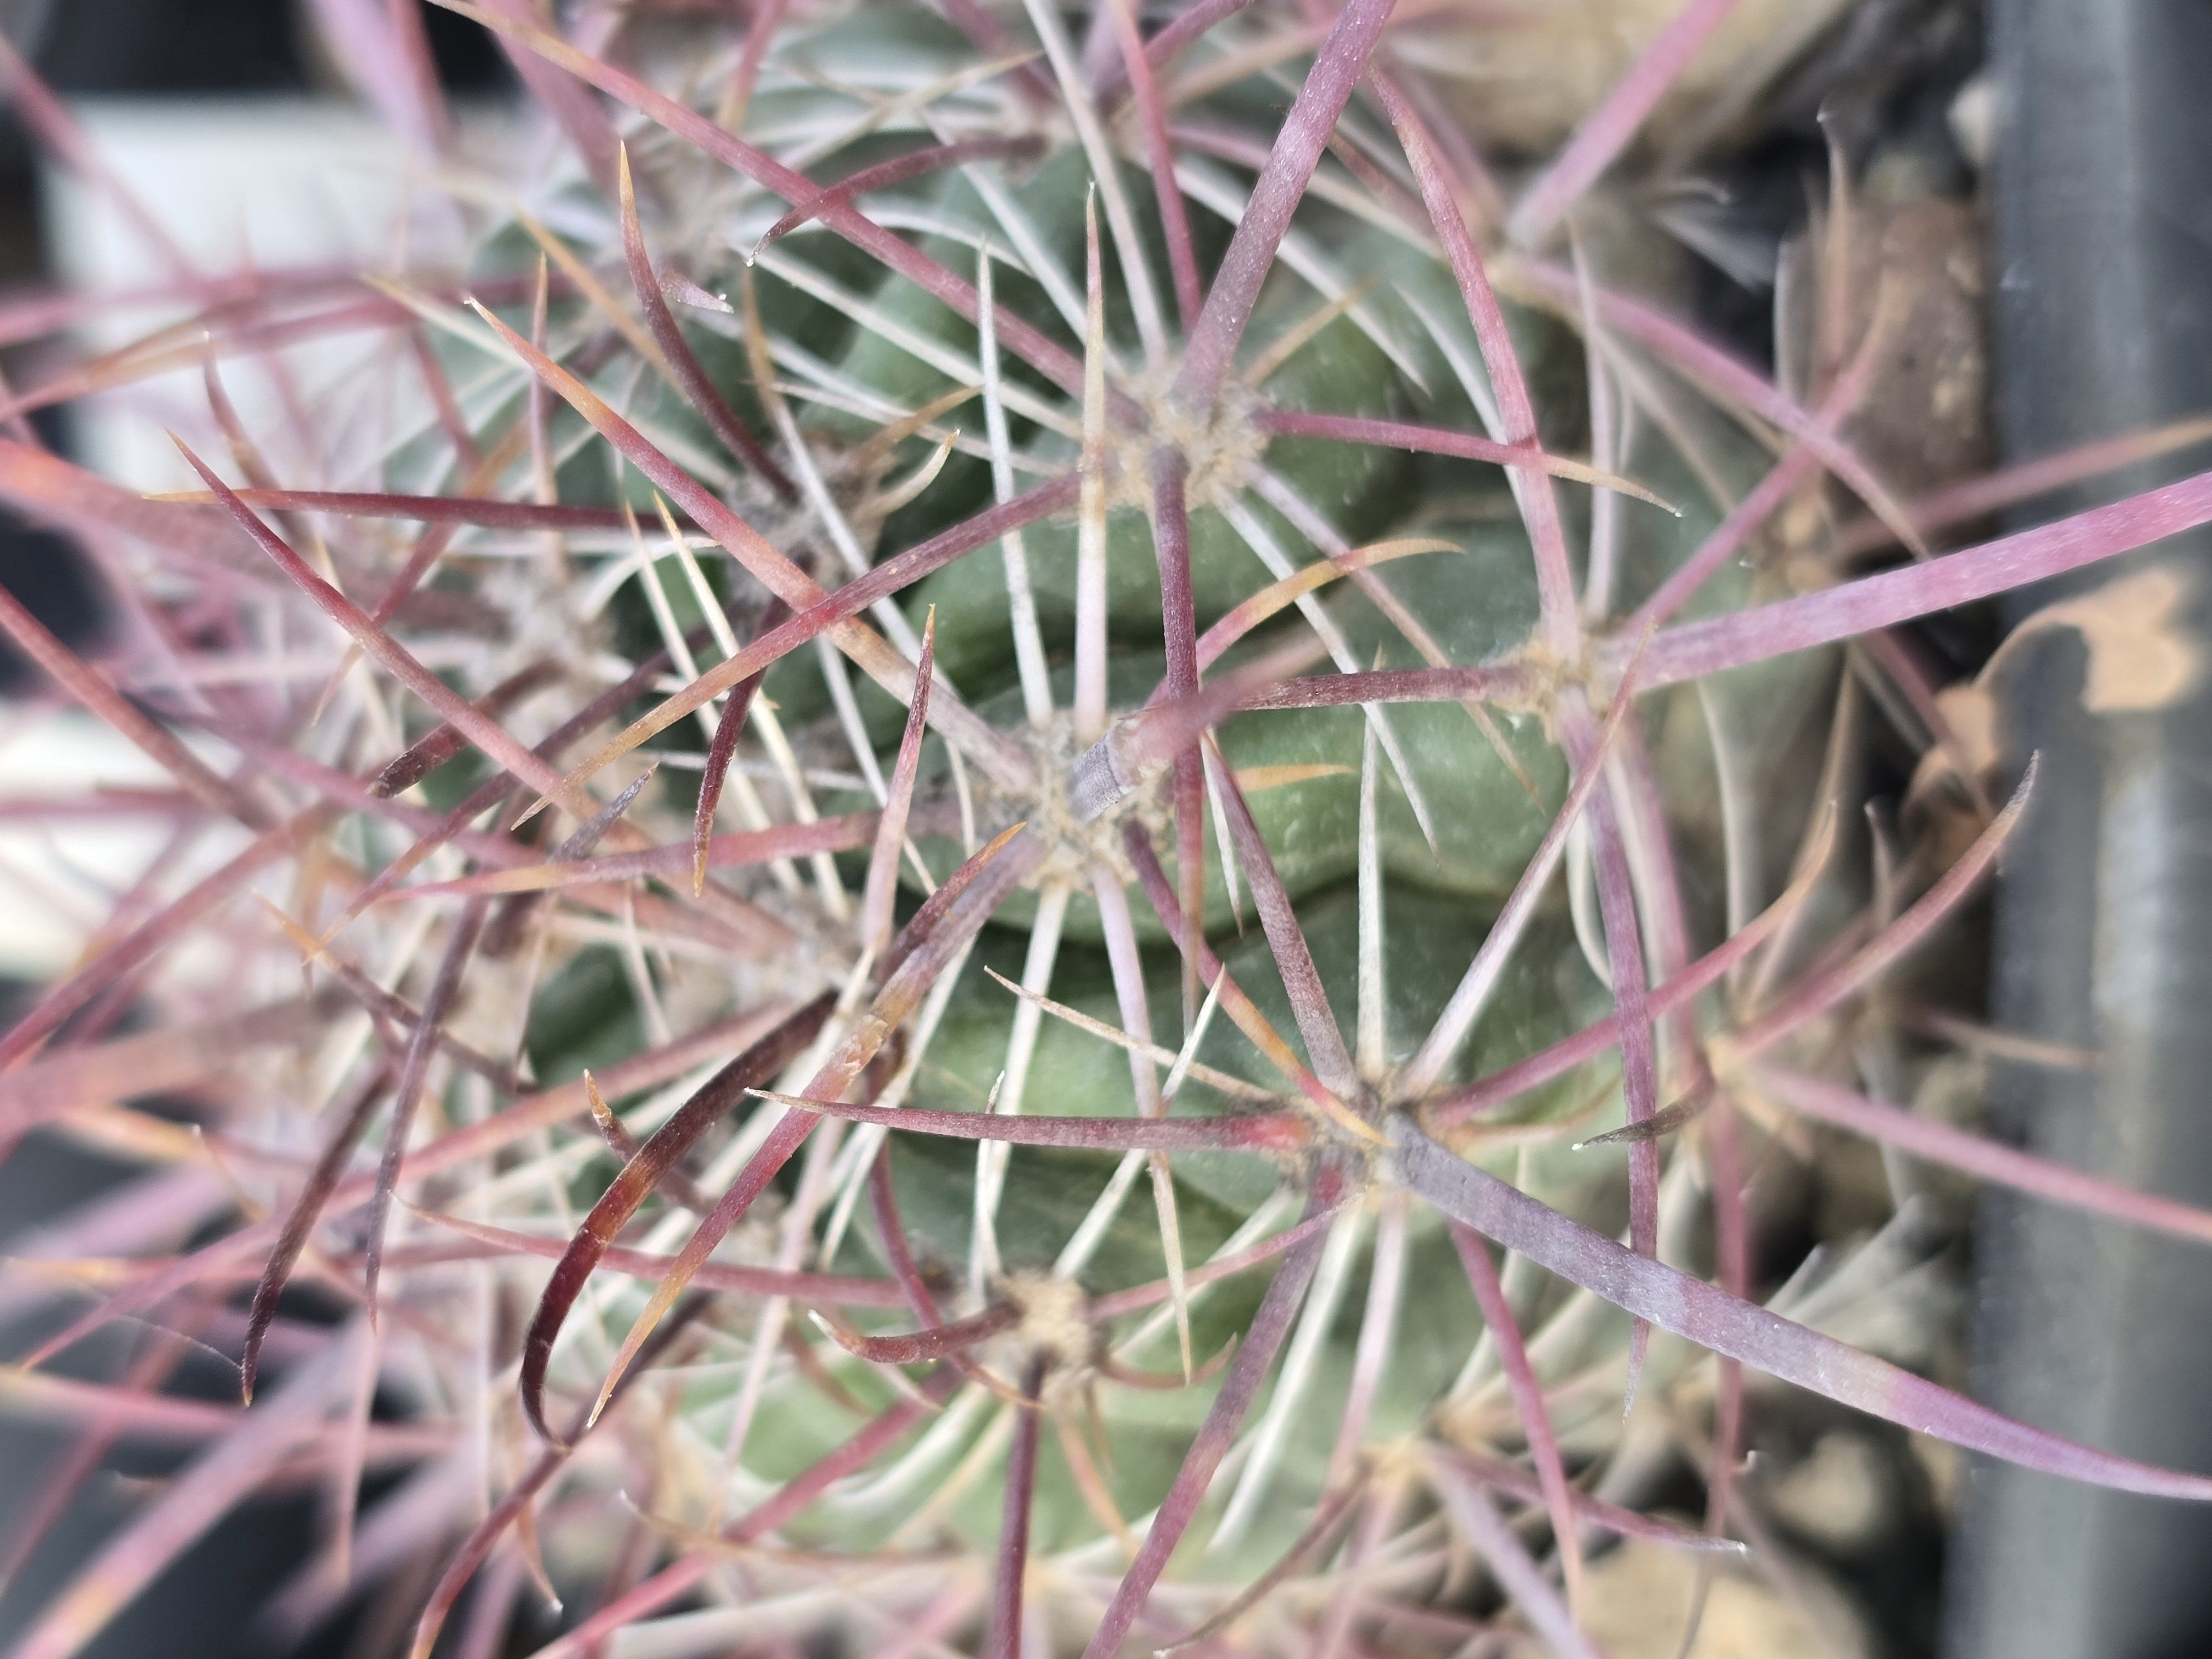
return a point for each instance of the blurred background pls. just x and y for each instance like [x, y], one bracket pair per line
[234, 118]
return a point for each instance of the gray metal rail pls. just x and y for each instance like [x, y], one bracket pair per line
[2103, 237]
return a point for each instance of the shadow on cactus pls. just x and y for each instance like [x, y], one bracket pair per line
[1112, 1127]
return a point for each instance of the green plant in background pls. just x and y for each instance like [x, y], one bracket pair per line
[954, 501]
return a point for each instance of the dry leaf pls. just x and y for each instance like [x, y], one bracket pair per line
[1640, 1597]
[1525, 76]
[2141, 654]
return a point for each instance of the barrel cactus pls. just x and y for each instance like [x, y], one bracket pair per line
[1007, 1150]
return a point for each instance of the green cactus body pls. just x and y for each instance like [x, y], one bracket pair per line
[906, 1308]
[1400, 353]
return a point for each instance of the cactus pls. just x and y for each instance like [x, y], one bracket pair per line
[950, 1248]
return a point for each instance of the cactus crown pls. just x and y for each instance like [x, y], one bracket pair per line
[1022, 1168]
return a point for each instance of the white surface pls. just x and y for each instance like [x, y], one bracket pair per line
[238, 184]
[59, 878]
